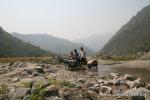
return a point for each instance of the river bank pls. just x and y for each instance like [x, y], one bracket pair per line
[51, 81]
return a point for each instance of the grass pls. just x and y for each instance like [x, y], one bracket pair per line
[25, 84]
[23, 59]
[3, 89]
[119, 58]
[90, 96]
[40, 91]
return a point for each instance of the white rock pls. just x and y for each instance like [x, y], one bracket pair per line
[137, 92]
[114, 75]
[15, 79]
[100, 81]
[137, 83]
[95, 88]
[119, 81]
[106, 83]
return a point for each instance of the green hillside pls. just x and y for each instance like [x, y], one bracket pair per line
[131, 38]
[14, 47]
[51, 43]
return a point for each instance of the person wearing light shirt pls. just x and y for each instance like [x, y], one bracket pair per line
[83, 56]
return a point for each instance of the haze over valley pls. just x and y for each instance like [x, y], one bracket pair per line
[75, 50]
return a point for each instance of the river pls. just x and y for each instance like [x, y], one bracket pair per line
[139, 72]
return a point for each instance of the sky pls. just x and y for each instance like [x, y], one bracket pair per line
[71, 19]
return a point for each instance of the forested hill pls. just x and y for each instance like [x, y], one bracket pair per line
[131, 38]
[11, 46]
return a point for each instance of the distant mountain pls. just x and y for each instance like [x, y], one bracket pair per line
[51, 43]
[95, 41]
[11, 46]
[133, 37]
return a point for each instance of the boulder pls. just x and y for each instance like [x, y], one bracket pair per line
[114, 75]
[20, 93]
[66, 93]
[37, 69]
[119, 81]
[27, 97]
[106, 90]
[53, 98]
[91, 62]
[138, 98]
[89, 84]
[94, 88]
[45, 84]
[81, 80]
[52, 91]
[137, 92]
[15, 79]
[129, 77]
[107, 83]
[100, 81]
[148, 87]
[137, 83]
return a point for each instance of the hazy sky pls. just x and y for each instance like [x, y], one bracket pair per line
[67, 18]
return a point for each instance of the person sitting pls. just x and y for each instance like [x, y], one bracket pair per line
[72, 56]
[83, 56]
[76, 56]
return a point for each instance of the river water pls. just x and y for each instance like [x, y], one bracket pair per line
[106, 69]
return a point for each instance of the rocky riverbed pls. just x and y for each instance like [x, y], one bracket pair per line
[47, 81]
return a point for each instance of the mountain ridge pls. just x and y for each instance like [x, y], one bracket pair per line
[51, 43]
[11, 46]
[133, 37]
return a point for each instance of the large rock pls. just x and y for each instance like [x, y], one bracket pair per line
[137, 92]
[106, 90]
[18, 64]
[45, 84]
[52, 91]
[119, 81]
[27, 97]
[108, 82]
[95, 88]
[20, 93]
[15, 79]
[129, 77]
[137, 83]
[92, 63]
[66, 93]
[89, 84]
[53, 98]
[81, 80]
[114, 75]
[100, 81]
[37, 69]
[148, 86]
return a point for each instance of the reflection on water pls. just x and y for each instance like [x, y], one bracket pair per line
[143, 73]
[106, 69]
